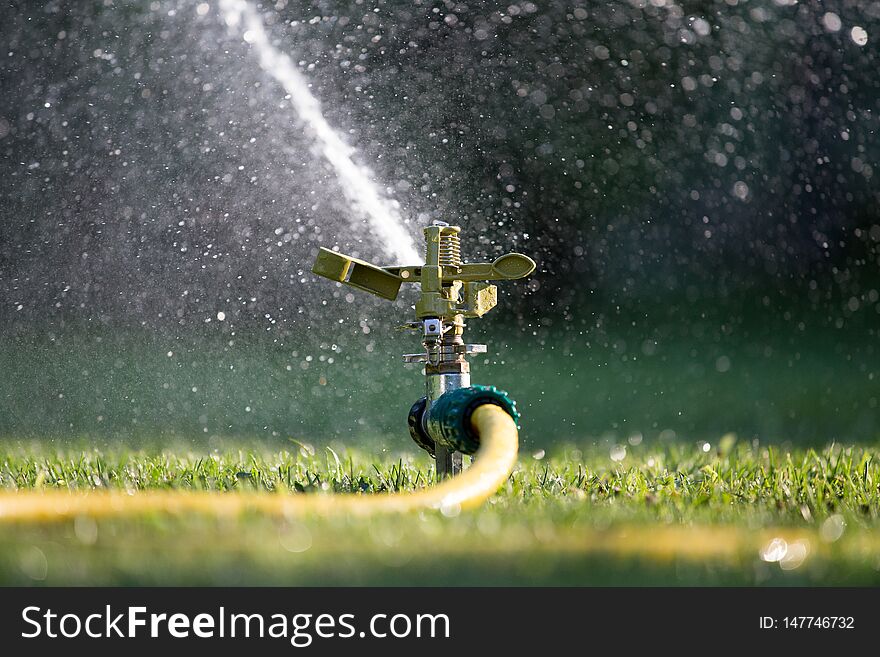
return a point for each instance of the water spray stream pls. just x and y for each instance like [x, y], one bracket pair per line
[361, 191]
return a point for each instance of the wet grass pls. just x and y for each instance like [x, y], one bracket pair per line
[733, 512]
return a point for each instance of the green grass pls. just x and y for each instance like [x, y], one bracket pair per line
[663, 513]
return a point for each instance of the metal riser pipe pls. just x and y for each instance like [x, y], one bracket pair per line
[449, 462]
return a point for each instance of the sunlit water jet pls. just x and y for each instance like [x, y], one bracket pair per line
[381, 213]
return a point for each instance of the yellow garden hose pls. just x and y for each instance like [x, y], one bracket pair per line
[494, 462]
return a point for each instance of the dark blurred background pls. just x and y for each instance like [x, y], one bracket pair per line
[697, 180]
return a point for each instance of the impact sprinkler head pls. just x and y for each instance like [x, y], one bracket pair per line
[451, 290]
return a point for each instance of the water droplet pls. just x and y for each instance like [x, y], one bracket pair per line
[795, 555]
[295, 537]
[775, 550]
[859, 35]
[831, 21]
[833, 527]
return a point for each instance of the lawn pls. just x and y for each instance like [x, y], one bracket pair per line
[739, 459]
[729, 512]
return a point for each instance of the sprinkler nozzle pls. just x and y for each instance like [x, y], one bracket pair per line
[357, 273]
[449, 287]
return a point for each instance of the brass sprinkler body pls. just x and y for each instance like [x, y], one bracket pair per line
[451, 291]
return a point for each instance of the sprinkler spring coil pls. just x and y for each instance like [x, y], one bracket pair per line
[450, 249]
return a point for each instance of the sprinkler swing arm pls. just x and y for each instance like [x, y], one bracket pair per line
[450, 292]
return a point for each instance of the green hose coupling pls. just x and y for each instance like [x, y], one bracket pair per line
[448, 420]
